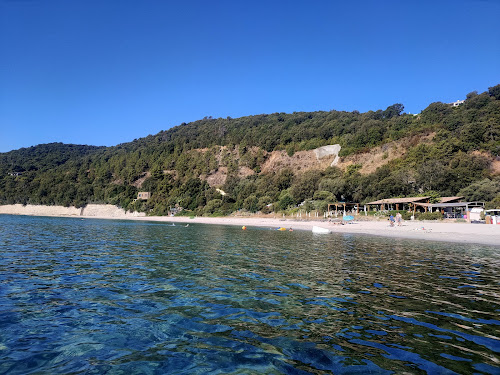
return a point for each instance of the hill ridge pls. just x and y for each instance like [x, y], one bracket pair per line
[269, 159]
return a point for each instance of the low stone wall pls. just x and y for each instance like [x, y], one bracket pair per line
[91, 210]
[19, 209]
[107, 210]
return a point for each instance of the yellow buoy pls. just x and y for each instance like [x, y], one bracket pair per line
[244, 227]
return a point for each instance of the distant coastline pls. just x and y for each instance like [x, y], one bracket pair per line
[435, 231]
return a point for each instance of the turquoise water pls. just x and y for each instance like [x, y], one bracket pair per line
[120, 297]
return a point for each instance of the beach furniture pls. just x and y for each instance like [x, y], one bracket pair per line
[348, 218]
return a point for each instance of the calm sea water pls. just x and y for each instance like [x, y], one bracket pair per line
[120, 297]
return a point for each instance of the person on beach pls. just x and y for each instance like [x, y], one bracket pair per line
[399, 218]
[391, 220]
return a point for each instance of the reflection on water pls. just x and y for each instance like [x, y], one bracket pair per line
[112, 297]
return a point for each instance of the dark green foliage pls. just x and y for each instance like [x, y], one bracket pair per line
[251, 203]
[305, 185]
[173, 164]
[393, 110]
[213, 206]
[482, 190]
[429, 216]
[495, 203]
[436, 113]
[494, 91]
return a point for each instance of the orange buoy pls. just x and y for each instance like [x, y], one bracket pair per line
[244, 227]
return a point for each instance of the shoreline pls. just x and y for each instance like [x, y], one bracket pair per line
[434, 231]
[464, 233]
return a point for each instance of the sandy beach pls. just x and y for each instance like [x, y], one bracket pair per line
[418, 230]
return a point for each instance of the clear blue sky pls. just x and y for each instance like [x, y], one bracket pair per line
[104, 72]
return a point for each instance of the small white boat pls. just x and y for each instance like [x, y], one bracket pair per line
[316, 229]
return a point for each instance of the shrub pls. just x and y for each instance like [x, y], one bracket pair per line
[324, 196]
[266, 210]
[184, 213]
[286, 201]
[404, 214]
[429, 216]
[250, 203]
[213, 206]
[263, 202]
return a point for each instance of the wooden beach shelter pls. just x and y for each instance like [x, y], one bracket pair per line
[343, 205]
[397, 203]
[450, 199]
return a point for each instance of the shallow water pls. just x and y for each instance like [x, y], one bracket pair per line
[120, 297]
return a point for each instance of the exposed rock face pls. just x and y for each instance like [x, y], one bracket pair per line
[138, 183]
[325, 151]
[383, 154]
[299, 162]
[218, 178]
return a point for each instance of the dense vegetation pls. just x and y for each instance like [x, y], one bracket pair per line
[173, 164]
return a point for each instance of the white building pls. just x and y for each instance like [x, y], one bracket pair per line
[457, 103]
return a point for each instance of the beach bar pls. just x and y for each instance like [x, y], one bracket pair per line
[455, 210]
[410, 203]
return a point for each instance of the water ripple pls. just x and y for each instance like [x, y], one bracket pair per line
[115, 297]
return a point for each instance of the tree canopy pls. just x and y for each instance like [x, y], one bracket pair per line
[179, 166]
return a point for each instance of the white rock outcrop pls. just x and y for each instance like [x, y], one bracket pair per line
[322, 152]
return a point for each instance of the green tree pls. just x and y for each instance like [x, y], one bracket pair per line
[494, 91]
[213, 206]
[305, 185]
[251, 203]
[484, 190]
[394, 110]
[286, 201]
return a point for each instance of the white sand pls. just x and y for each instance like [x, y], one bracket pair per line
[435, 231]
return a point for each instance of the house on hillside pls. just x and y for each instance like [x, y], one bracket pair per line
[143, 195]
[457, 103]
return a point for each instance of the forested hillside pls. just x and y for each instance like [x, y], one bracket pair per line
[443, 151]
